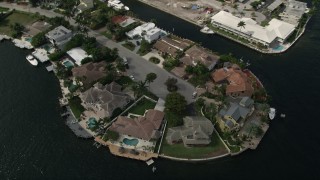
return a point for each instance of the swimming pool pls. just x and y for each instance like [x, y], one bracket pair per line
[278, 48]
[92, 122]
[29, 39]
[67, 63]
[130, 142]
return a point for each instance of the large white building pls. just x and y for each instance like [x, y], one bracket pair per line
[148, 31]
[294, 11]
[276, 30]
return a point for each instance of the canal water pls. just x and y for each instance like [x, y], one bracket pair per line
[36, 144]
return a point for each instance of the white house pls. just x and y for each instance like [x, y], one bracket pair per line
[78, 54]
[59, 35]
[148, 31]
[276, 30]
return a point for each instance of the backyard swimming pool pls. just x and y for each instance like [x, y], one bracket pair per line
[278, 48]
[130, 142]
[29, 39]
[67, 63]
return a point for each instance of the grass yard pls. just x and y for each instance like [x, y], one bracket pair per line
[76, 107]
[142, 106]
[215, 148]
[129, 45]
[2, 9]
[16, 17]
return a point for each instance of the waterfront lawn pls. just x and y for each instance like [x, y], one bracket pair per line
[16, 17]
[129, 45]
[143, 105]
[215, 148]
[76, 107]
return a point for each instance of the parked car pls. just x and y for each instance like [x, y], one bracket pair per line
[194, 94]
[125, 60]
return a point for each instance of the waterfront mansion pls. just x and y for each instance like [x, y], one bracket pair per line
[103, 100]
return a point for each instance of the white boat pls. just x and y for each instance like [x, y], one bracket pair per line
[154, 169]
[206, 30]
[272, 113]
[32, 60]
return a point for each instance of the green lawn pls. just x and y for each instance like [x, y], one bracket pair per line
[215, 148]
[16, 17]
[2, 9]
[142, 106]
[129, 45]
[76, 107]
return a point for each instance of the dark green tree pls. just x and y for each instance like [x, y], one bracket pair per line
[175, 103]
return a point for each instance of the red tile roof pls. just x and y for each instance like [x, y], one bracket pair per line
[118, 19]
[238, 82]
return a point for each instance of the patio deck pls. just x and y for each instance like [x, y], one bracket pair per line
[114, 149]
[142, 156]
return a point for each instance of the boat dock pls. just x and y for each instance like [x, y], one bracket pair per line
[41, 55]
[149, 162]
[49, 68]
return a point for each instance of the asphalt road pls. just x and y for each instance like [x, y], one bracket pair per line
[138, 67]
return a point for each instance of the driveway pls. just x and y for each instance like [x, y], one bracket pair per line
[138, 67]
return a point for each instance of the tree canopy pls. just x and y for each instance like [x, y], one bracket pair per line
[175, 103]
[150, 77]
[39, 39]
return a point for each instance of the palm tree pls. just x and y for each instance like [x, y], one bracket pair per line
[241, 24]
[138, 88]
[150, 77]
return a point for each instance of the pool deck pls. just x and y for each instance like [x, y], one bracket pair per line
[114, 149]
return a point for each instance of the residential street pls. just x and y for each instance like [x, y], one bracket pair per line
[139, 67]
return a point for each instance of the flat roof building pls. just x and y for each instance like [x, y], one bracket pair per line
[276, 30]
[148, 31]
[59, 35]
[78, 54]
